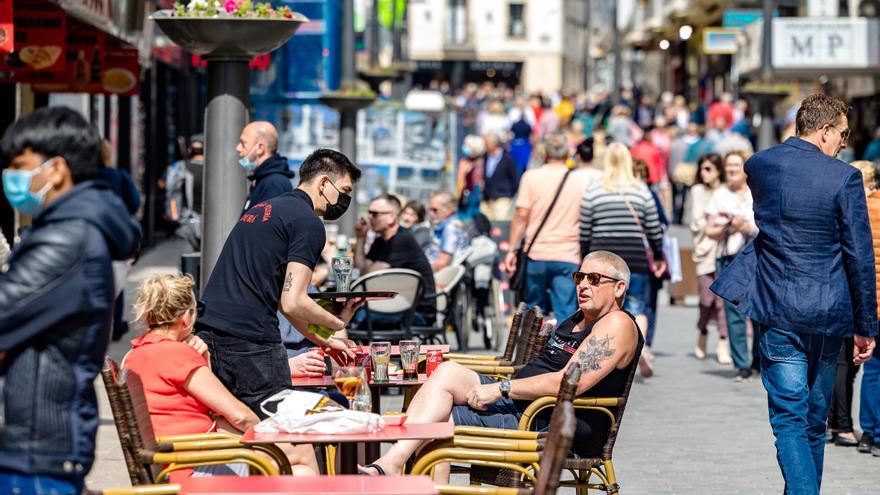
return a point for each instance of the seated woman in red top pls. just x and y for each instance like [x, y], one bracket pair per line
[181, 391]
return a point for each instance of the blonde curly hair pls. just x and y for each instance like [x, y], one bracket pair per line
[163, 299]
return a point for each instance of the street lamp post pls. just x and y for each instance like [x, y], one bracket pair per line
[348, 101]
[227, 44]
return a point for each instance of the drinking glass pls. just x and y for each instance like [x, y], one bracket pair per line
[342, 271]
[347, 380]
[409, 358]
[381, 354]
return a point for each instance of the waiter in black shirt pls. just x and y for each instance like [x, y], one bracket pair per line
[393, 248]
[265, 266]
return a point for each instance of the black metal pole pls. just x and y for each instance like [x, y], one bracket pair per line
[618, 63]
[767, 130]
[348, 117]
[225, 186]
[374, 34]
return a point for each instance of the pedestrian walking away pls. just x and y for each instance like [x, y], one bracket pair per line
[808, 279]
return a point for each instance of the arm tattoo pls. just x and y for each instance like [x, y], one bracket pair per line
[597, 351]
[287, 283]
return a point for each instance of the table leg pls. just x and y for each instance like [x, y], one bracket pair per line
[348, 458]
[372, 450]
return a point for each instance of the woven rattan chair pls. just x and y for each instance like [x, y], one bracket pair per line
[503, 368]
[602, 467]
[550, 459]
[145, 454]
[512, 337]
[169, 489]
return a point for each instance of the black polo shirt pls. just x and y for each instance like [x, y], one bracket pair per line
[403, 251]
[241, 297]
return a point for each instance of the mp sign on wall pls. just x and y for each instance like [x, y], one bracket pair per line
[830, 43]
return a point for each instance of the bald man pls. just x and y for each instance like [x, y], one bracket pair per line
[601, 336]
[268, 172]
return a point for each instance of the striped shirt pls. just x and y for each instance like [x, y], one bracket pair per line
[608, 225]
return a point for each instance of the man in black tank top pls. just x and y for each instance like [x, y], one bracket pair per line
[600, 336]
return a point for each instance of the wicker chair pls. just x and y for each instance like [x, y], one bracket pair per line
[508, 477]
[512, 337]
[549, 460]
[602, 467]
[502, 368]
[145, 454]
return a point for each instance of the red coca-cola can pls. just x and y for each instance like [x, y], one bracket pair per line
[433, 358]
[362, 359]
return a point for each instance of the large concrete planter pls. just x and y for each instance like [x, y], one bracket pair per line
[227, 44]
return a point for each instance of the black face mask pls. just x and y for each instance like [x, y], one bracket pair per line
[336, 210]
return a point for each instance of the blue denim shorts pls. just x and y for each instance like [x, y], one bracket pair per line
[500, 414]
[637, 294]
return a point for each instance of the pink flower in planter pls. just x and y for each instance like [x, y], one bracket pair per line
[230, 6]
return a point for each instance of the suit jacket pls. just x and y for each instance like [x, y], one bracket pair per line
[504, 181]
[811, 267]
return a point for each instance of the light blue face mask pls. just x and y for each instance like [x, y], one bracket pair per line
[246, 164]
[17, 187]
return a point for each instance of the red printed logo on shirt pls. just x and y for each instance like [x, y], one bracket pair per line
[251, 218]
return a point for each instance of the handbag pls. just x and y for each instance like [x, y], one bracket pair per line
[649, 253]
[518, 278]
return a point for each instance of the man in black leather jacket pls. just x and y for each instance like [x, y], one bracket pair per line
[56, 300]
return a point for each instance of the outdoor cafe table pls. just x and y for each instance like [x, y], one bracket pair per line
[348, 442]
[309, 485]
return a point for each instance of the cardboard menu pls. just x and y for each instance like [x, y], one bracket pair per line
[39, 43]
[7, 28]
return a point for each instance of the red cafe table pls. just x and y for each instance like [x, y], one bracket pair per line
[309, 485]
[348, 442]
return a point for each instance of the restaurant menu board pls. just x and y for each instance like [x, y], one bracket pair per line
[7, 31]
[39, 43]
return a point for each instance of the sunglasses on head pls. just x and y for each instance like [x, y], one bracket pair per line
[592, 278]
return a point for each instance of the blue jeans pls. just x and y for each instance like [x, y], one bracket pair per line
[798, 372]
[31, 484]
[553, 276]
[736, 325]
[869, 409]
[638, 294]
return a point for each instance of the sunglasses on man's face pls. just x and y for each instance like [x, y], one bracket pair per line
[374, 213]
[592, 278]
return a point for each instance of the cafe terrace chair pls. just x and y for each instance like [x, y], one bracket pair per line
[513, 336]
[550, 465]
[145, 454]
[497, 456]
[409, 287]
[449, 283]
[583, 469]
[167, 489]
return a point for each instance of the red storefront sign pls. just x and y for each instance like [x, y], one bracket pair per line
[7, 31]
[118, 73]
[39, 44]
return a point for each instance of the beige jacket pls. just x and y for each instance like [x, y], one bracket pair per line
[704, 247]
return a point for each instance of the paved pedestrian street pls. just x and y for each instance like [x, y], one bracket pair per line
[688, 430]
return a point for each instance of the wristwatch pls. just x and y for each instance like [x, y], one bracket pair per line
[505, 388]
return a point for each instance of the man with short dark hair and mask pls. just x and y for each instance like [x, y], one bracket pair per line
[265, 267]
[266, 170]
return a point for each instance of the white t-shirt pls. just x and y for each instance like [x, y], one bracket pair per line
[724, 205]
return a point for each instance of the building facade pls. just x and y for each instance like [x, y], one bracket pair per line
[539, 45]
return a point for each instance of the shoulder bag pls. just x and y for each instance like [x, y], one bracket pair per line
[649, 253]
[518, 279]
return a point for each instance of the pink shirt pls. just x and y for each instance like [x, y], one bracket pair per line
[558, 240]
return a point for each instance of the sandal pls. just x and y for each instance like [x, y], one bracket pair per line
[377, 467]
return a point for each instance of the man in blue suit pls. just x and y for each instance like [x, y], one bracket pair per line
[808, 279]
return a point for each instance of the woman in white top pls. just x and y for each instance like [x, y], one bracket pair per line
[710, 176]
[732, 223]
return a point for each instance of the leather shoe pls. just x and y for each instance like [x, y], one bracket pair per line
[844, 441]
[866, 444]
